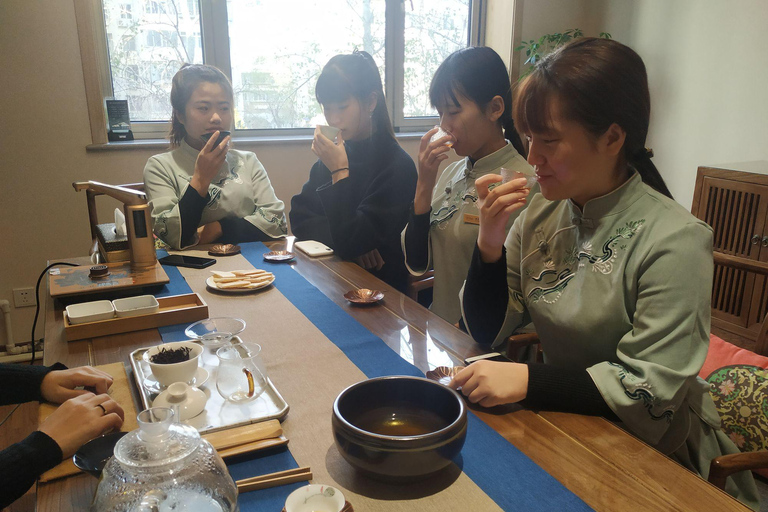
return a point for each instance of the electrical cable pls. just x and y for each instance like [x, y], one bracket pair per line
[37, 300]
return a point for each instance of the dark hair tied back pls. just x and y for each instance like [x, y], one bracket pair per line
[478, 74]
[185, 81]
[599, 82]
[354, 75]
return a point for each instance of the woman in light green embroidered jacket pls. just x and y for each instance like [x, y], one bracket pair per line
[472, 94]
[615, 275]
[201, 191]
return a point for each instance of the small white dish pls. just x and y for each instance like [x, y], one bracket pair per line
[315, 498]
[185, 401]
[90, 311]
[150, 381]
[212, 285]
[135, 306]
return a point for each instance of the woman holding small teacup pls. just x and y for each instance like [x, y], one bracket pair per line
[202, 191]
[357, 197]
[615, 274]
[471, 92]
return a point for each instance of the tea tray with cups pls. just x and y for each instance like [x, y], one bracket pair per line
[219, 414]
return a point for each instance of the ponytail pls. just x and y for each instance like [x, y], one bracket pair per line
[641, 161]
[510, 133]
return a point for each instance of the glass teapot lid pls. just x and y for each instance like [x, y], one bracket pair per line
[158, 441]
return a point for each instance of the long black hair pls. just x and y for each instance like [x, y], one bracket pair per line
[354, 75]
[598, 82]
[185, 81]
[479, 74]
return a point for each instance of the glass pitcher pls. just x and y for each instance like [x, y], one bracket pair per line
[164, 466]
[242, 376]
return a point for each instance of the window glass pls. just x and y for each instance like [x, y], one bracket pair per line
[433, 30]
[278, 49]
[148, 42]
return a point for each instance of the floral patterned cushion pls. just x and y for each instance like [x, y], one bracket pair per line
[740, 393]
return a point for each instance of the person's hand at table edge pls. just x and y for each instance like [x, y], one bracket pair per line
[59, 386]
[80, 419]
[491, 383]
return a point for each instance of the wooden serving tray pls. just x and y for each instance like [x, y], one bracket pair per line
[176, 309]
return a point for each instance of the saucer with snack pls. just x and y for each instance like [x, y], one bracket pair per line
[239, 281]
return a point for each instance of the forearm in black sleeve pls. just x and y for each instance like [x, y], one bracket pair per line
[22, 463]
[417, 240]
[553, 388]
[191, 207]
[235, 230]
[349, 222]
[20, 383]
[485, 297]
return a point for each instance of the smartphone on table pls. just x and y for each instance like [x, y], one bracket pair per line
[180, 260]
[490, 356]
[223, 134]
[313, 248]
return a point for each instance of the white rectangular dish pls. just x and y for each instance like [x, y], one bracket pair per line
[90, 311]
[134, 306]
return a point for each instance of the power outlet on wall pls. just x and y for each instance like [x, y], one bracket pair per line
[24, 297]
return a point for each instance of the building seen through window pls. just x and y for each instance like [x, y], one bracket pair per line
[274, 65]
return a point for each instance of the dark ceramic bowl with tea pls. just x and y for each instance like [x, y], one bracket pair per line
[399, 428]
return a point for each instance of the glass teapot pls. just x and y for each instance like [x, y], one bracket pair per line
[165, 466]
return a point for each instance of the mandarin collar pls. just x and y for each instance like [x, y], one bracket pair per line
[490, 163]
[611, 203]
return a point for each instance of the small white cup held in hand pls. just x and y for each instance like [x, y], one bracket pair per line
[329, 132]
[508, 175]
[439, 134]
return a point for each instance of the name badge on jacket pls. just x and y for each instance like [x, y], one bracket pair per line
[471, 219]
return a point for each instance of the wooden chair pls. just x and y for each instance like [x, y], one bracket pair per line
[721, 467]
[417, 284]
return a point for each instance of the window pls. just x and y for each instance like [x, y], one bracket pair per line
[274, 66]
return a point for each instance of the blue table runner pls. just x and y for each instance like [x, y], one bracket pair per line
[504, 473]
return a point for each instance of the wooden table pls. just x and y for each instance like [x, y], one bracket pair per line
[605, 466]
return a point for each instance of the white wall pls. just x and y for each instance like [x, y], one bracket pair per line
[708, 69]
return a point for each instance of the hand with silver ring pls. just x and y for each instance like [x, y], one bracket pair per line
[74, 423]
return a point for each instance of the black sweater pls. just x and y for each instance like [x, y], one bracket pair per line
[367, 210]
[23, 462]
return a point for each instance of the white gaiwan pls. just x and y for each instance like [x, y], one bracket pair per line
[185, 401]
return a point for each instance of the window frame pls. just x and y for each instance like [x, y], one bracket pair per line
[215, 47]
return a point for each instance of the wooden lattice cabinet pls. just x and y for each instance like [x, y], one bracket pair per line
[735, 204]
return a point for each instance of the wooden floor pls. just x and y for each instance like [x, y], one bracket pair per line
[18, 426]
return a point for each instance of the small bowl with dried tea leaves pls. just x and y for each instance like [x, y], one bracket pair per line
[174, 362]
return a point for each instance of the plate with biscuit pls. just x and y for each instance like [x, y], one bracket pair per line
[240, 281]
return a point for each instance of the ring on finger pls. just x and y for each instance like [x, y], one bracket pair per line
[104, 411]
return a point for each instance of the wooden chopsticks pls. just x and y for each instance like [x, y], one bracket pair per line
[274, 479]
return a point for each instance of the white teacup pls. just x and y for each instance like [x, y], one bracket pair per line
[167, 374]
[315, 498]
[329, 131]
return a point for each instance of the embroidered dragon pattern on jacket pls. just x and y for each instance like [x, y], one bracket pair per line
[643, 391]
[551, 282]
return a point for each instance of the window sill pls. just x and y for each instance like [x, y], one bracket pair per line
[241, 142]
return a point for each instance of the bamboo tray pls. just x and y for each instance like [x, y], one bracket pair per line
[176, 309]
